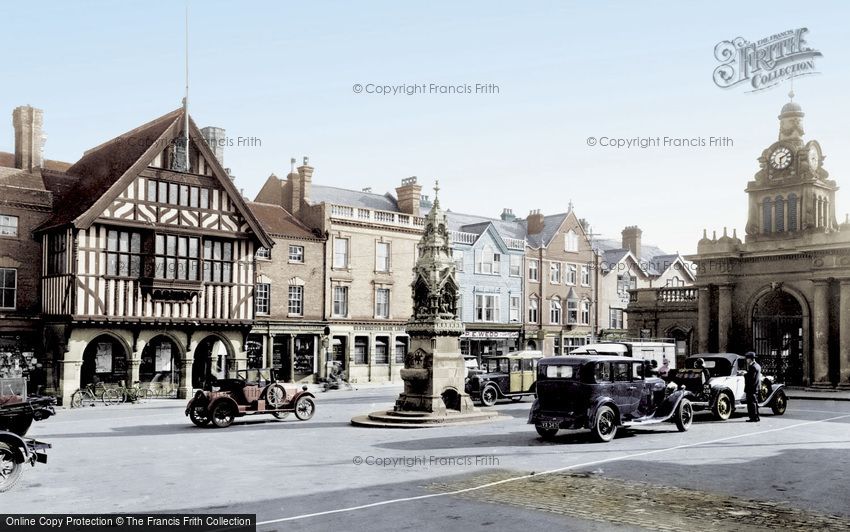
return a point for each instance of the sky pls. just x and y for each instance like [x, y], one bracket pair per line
[281, 76]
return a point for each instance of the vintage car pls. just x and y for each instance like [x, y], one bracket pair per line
[507, 376]
[718, 385]
[17, 413]
[252, 392]
[603, 393]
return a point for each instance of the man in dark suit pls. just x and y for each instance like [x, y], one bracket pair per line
[752, 382]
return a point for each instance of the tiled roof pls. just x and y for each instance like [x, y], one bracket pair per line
[551, 224]
[101, 167]
[277, 221]
[352, 198]
[470, 223]
[7, 160]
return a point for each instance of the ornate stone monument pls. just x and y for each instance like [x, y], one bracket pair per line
[434, 371]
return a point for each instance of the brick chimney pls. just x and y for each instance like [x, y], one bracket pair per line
[409, 196]
[631, 239]
[216, 140]
[535, 222]
[294, 180]
[305, 173]
[508, 215]
[29, 139]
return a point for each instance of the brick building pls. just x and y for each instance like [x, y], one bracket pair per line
[370, 252]
[289, 327]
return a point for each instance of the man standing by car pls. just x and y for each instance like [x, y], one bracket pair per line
[751, 386]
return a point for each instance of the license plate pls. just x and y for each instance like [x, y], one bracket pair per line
[549, 424]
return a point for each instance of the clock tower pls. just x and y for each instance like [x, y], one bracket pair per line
[791, 194]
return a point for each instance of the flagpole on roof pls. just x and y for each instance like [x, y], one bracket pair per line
[186, 97]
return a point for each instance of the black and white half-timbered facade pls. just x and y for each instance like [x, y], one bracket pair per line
[148, 264]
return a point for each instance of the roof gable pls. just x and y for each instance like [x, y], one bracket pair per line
[105, 171]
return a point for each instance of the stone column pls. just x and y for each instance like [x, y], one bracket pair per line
[324, 343]
[724, 317]
[820, 348]
[135, 362]
[69, 380]
[290, 377]
[184, 391]
[704, 317]
[844, 334]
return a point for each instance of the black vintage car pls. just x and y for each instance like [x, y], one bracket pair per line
[717, 382]
[506, 376]
[603, 393]
[17, 413]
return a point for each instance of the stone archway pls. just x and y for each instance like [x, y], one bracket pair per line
[160, 365]
[778, 333]
[213, 357]
[682, 337]
[105, 359]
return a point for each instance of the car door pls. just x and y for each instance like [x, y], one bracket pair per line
[627, 391]
[529, 373]
[513, 365]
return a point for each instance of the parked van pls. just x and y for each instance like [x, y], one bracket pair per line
[644, 350]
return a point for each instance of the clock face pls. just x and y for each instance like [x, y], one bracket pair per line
[780, 159]
[814, 158]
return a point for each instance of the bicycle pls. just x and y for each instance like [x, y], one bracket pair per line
[92, 392]
[135, 393]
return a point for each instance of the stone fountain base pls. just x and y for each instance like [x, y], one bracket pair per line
[417, 420]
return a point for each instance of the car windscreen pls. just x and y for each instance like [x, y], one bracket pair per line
[496, 365]
[561, 371]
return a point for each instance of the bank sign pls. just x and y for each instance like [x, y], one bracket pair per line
[764, 63]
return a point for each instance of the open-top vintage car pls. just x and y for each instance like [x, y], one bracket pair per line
[507, 376]
[603, 393]
[252, 392]
[17, 413]
[718, 385]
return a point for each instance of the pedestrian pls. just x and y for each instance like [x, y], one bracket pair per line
[665, 367]
[752, 381]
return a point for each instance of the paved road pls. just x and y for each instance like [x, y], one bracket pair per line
[136, 458]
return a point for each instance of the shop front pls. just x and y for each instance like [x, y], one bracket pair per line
[484, 343]
[296, 352]
[19, 357]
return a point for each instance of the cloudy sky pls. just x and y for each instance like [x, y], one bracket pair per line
[282, 76]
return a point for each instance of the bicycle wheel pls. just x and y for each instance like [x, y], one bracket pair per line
[77, 399]
[112, 397]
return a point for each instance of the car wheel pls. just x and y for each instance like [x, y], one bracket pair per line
[546, 434]
[722, 408]
[199, 417]
[222, 415]
[764, 390]
[779, 404]
[304, 408]
[605, 425]
[489, 395]
[684, 415]
[280, 415]
[10, 469]
[275, 395]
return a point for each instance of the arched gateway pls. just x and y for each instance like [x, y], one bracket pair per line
[778, 336]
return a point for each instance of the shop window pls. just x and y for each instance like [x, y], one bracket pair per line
[400, 350]
[338, 349]
[361, 349]
[382, 350]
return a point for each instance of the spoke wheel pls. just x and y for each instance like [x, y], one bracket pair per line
[280, 415]
[605, 426]
[546, 434]
[780, 403]
[304, 408]
[10, 469]
[722, 407]
[489, 395]
[199, 416]
[222, 415]
[112, 397]
[684, 415]
[275, 395]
